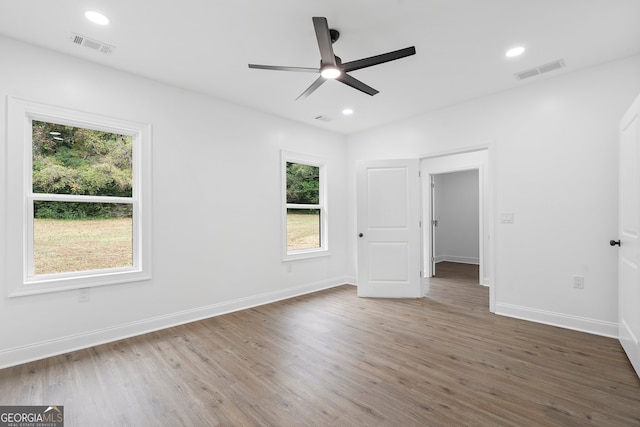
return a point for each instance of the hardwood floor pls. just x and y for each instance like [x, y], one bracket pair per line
[333, 359]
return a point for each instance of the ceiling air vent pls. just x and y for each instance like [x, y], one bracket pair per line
[540, 69]
[92, 44]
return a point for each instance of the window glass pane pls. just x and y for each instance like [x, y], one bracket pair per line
[303, 229]
[81, 236]
[303, 184]
[71, 160]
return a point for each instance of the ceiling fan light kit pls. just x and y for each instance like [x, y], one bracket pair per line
[330, 72]
[331, 67]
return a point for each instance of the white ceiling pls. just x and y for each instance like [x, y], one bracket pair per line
[205, 45]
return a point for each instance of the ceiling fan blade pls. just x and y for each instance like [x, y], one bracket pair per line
[324, 41]
[279, 68]
[315, 85]
[356, 84]
[378, 59]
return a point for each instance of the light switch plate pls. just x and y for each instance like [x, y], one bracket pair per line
[506, 218]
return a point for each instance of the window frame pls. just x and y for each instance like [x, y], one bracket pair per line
[323, 250]
[20, 207]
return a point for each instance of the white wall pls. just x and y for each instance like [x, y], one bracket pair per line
[553, 160]
[216, 207]
[457, 236]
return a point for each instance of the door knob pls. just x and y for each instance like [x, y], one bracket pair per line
[360, 235]
[614, 242]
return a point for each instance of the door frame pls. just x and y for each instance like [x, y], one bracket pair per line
[478, 158]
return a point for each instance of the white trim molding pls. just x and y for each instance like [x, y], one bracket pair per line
[576, 323]
[19, 200]
[458, 259]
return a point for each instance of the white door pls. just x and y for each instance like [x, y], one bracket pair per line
[629, 235]
[388, 221]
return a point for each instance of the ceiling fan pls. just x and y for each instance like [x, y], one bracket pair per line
[331, 67]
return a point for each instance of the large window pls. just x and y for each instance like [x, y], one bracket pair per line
[82, 199]
[84, 214]
[305, 214]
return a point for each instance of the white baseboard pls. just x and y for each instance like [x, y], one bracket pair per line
[40, 350]
[459, 259]
[582, 324]
[350, 280]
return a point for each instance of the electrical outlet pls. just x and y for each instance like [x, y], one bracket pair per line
[578, 282]
[84, 294]
[289, 268]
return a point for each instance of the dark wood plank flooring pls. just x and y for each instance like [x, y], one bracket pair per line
[333, 359]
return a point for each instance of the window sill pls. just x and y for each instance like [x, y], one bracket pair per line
[59, 283]
[309, 254]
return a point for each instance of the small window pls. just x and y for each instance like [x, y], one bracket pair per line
[305, 216]
[85, 214]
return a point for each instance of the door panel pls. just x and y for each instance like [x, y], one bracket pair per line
[628, 224]
[388, 223]
[387, 262]
[387, 198]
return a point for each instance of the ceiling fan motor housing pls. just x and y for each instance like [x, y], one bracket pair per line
[334, 34]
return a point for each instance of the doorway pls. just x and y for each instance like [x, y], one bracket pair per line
[456, 224]
[474, 162]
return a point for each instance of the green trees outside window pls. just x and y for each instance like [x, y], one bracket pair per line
[71, 160]
[303, 184]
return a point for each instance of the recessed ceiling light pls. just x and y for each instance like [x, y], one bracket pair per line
[96, 17]
[347, 111]
[513, 52]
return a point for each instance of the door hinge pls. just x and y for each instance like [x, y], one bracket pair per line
[434, 222]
